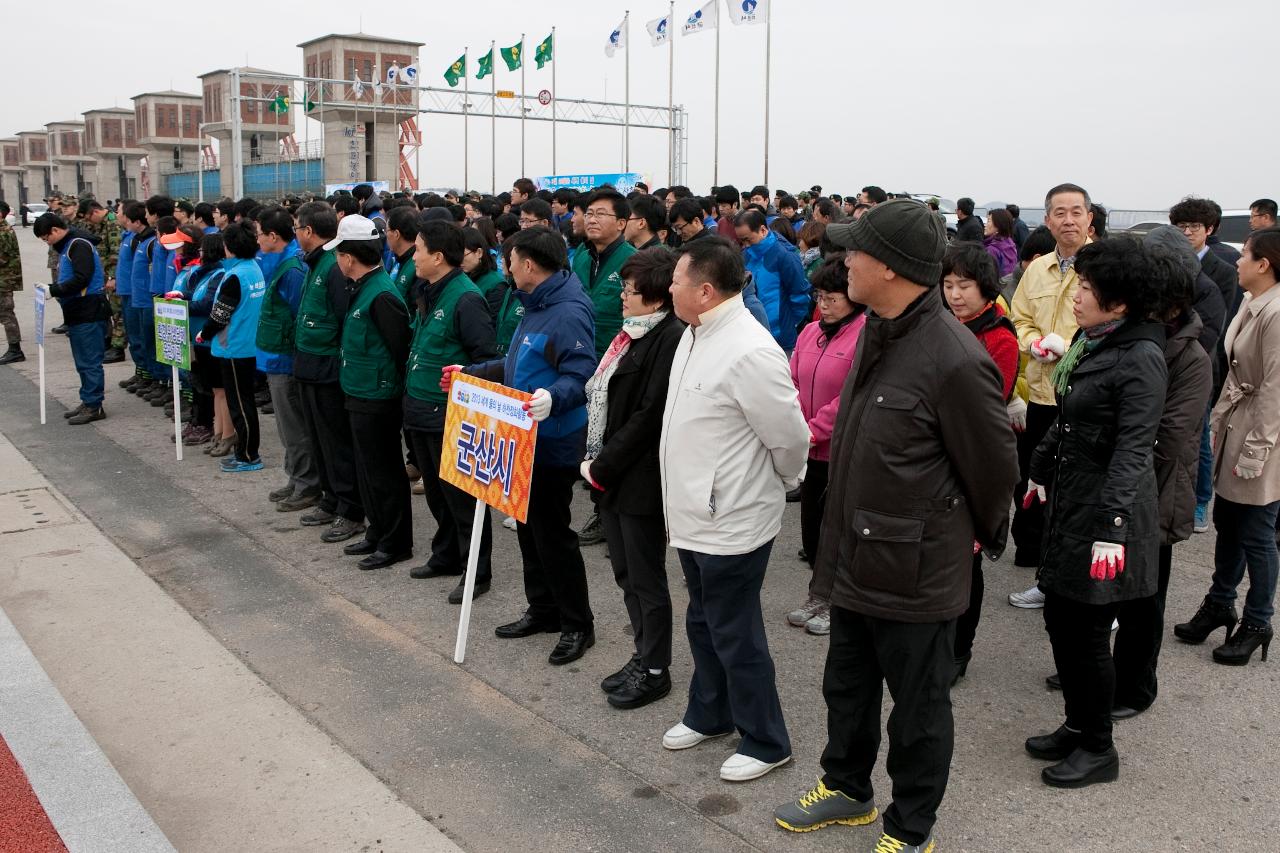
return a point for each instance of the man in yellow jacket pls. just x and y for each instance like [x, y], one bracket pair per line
[1042, 315]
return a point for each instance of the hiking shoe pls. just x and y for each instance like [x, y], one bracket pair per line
[819, 623]
[73, 412]
[113, 355]
[419, 487]
[199, 435]
[804, 612]
[889, 844]
[319, 518]
[821, 807]
[1202, 518]
[1031, 599]
[223, 446]
[293, 503]
[235, 466]
[341, 530]
[277, 495]
[509, 523]
[87, 416]
[592, 533]
[130, 380]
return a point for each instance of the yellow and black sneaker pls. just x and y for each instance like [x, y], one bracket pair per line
[823, 807]
[889, 844]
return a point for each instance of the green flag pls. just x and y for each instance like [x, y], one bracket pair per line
[542, 54]
[511, 55]
[279, 105]
[311, 105]
[485, 65]
[456, 71]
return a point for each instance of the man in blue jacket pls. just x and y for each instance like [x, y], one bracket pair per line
[778, 274]
[552, 355]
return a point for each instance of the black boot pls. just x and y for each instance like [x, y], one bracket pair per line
[13, 354]
[1238, 648]
[112, 355]
[1055, 746]
[1082, 768]
[1209, 618]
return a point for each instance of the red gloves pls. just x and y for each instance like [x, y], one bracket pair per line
[446, 376]
[1108, 561]
[1035, 492]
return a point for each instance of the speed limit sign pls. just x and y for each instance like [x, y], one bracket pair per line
[544, 97]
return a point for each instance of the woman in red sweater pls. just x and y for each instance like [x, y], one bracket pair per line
[970, 285]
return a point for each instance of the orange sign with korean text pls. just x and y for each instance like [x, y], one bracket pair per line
[488, 444]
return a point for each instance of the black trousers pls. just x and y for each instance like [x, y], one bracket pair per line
[324, 406]
[1137, 647]
[453, 510]
[916, 660]
[638, 551]
[733, 684]
[555, 578]
[384, 486]
[967, 624]
[1028, 524]
[813, 502]
[206, 375]
[1081, 638]
[238, 378]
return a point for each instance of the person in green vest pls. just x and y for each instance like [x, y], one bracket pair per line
[478, 261]
[505, 308]
[402, 229]
[375, 346]
[451, 326]
[597, 265]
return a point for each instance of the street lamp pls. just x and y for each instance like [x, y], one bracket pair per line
[200, 162]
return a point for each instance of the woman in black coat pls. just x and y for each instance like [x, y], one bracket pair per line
[1102, 535]
[1177, 454]
[625, 402]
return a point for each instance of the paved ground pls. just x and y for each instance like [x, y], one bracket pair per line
[507, 751]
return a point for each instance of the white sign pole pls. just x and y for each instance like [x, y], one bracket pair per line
[40, 350]
[177, 414]
[469, 584]
[40, 304]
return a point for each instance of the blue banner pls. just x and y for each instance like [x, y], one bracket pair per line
[623, 182]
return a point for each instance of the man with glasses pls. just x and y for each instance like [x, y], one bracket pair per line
[647, 224]
[687, 222]
[535, 213]
[1262, 214]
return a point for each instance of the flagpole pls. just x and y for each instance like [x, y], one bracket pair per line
[715, 156]
[626, 133]
[768, 73]
[522, 109]
[493, 121]
[554, 96]
[671, 121]
[466, 115]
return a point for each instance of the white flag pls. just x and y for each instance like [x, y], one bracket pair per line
[702, 19]
[377, 89]
[748, 11]
[658, 30]
[393, 73]
[358, 88]
[409, 75]
[617, 39]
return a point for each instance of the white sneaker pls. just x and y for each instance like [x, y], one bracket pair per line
[1115, 624]
[1031, 599]
[804, 612]
[681, 736]
[820, 623]
[744, 768]
[509, 523]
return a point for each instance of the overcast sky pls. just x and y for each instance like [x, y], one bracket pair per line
[1140, 101]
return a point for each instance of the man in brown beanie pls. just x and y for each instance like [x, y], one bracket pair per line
[923, 465]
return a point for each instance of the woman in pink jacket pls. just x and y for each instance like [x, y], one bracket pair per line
[819, 365]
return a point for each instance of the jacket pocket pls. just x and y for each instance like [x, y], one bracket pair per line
[891, 417]
[887, 556]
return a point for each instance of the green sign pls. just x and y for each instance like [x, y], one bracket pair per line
[173, 334]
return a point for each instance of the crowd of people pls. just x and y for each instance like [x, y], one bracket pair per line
[925, 394]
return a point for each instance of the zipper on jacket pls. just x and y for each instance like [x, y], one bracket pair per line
[693, 334]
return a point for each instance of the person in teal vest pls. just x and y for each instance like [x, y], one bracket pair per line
[452, 326]
[231, 328]
[375, 346]
[79, 290]
[280, 259]
[402, 229]
[478, 262]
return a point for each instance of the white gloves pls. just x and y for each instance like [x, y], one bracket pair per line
[1017, 409]
[1035, 492]
[1108, 561]
[585, 470]
[539, 407]
[1247, 468]
[1049, 348]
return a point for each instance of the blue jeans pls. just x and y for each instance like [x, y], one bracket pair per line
[131, 333]
[87, 347]
[1246, 538]
[1204, 474]
[145, 318]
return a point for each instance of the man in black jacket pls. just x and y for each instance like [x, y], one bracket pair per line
[968, 226]
[923, 465]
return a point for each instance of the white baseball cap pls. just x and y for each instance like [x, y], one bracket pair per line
[354, 227]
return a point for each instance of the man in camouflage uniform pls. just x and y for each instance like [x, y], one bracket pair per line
[10, 280]
[92, 217]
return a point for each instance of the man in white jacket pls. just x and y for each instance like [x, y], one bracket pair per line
[734, 442]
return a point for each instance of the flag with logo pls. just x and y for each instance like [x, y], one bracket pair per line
[456, 71]
[409, 75]
[511, 55]
[748, 11]
[279, 106]
[393, 73]
[701, 19]
[484, 67]
[542, 54]
[358, 88]
[617, 39]
[658, 30]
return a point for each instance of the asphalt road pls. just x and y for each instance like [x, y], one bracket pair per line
[509, 752]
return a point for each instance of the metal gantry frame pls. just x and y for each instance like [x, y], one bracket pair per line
[471, 104]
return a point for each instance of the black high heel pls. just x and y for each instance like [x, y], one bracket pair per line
[1239, 647]
[1209, 618]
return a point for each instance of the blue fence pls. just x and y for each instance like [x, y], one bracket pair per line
[262, 180]
[186, 185]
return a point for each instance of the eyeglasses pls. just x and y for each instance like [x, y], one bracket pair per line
[1189, 227]
[831, 298]
[597, 214]
[630, 291]
[529, 223]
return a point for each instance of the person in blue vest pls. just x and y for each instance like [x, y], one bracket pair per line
[79, 290]
[140, 303]
[280, 259]
[231, 329]
[552, 356]
[778, 275]
[161, 275]
[130, 226]
[375, 347]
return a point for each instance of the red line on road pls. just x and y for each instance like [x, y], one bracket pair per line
[23, 823]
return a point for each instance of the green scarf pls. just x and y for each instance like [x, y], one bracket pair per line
[1085, 343]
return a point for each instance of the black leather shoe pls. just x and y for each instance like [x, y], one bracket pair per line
[572, 645]
[1083, 768]
[632, 668]
[356, 549]
[456, 594]
[381, 559]
[427, 571]
[1209, 618]
[1053, 747]
[1124, 712]
[112, 356]
[59, 330]
[525, 626]
[641, 690]
[1053, 682]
